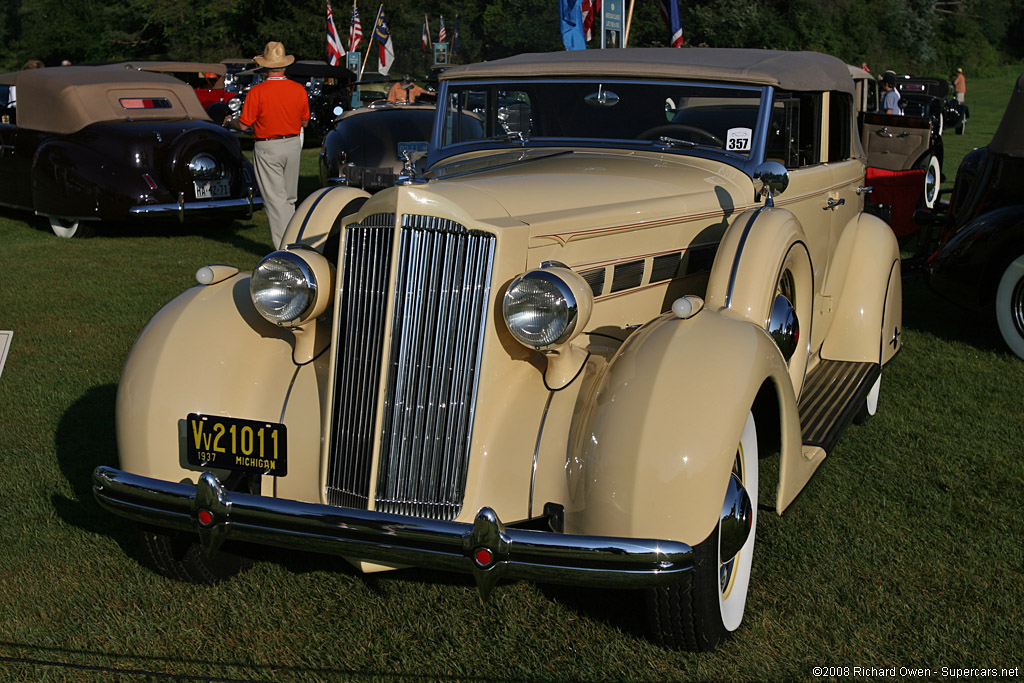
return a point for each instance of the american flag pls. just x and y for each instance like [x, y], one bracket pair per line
[355, 31]
[590, 9]
[442, 35]
[670, 13]
[333, 42]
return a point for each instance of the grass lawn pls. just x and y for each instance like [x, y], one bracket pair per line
[906, 549]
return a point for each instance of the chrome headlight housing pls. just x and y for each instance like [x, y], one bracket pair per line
[292, 286]
[547, 307]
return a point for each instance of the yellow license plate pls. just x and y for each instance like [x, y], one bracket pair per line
[233, 444]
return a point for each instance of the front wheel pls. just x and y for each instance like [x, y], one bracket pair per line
[703, 609]
[1010, 306]
[68, 227]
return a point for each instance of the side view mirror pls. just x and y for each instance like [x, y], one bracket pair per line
[773, 178]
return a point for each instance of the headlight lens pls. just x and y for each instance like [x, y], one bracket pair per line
[541, 309]
[283, 287]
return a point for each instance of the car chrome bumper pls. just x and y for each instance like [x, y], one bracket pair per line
[180, 208]
[485, 548]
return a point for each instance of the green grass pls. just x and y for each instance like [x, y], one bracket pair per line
[905, 549]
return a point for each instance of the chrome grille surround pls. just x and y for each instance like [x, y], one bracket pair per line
[440, 305]
[362, 308]
[442, 291]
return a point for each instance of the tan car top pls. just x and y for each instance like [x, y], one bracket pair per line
[68, 98]
[191, 68]
[807, 71]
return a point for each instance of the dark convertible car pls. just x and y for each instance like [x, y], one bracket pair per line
[88, 144]
[979, 261]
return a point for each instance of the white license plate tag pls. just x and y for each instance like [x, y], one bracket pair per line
[212, 189]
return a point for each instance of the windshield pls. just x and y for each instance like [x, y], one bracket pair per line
[646, 114]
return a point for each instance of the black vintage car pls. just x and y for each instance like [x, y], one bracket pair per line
[88, 144]
[367, 146]
[979, 262]
[932, 98]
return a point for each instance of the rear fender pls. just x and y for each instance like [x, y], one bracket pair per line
[71, 181]
[653, 454]
[867, 324]
[209, 351]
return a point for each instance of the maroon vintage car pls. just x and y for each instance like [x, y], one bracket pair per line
[85, 144]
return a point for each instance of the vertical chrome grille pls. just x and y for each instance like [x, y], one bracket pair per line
[362, 304]
[442, 285]
[441, 295]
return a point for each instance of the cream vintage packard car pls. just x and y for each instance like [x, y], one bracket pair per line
[625, 279]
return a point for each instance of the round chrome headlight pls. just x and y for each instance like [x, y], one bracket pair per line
[283, 288]
[547, 307]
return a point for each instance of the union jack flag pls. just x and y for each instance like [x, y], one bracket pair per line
[442, 35]
[333, 41]
[355, 31]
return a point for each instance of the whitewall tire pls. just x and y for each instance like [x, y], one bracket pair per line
[1010, 306]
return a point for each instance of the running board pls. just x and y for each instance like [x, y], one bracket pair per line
[834, 392]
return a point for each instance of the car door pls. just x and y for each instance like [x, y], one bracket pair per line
[14, 170]
[894, 142]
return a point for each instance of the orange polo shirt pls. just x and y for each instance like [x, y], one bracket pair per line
[277, 106]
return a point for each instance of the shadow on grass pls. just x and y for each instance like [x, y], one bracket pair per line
[926, 311]
[85, 440]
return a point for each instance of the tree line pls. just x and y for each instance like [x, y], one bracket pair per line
[925, 37]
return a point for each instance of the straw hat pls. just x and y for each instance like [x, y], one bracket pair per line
[273, 56]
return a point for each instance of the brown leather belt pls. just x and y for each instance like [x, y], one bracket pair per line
[277, 137]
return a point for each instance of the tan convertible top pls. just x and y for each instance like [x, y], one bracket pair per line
[192, 68]
[788, 70]
[67, 98]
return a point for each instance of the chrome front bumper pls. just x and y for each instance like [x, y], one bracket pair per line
[485, 548]
[180, 208]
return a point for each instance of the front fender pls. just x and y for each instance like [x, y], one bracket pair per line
[966, 269]
[656, 449]
[209, 351]
[319, 216]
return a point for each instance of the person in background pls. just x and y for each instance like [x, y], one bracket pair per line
[960, 85]
[406, 91]
[278, 110]
[891, 97]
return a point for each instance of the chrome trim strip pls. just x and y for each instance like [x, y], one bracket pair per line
[543, 556]
[536, 453]
[739, 253]
[176, 207]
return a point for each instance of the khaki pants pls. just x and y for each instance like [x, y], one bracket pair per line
[277, 172]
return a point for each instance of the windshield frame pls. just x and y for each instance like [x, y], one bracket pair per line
[439, 151]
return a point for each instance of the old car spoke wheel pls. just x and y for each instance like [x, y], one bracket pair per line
[68, 228]
[1010, 306]
[702, 610]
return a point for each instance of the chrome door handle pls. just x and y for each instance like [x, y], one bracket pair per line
[833, 203]
[886, 134]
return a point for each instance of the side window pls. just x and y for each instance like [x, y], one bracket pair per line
[794, 132]
[840, 126]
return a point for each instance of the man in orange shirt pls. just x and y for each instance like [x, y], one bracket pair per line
[278, 110]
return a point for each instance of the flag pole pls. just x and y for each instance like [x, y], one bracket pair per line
[629, 22]
[368, 44]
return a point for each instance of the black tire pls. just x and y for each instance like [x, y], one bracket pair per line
[697, 613]
[180, 557]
